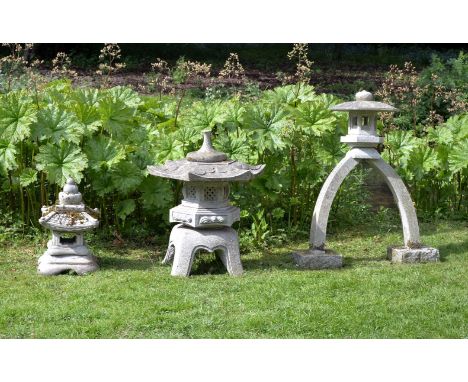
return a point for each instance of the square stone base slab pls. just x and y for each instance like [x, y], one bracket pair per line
[318, 259]
[53, 265]
[412, 255]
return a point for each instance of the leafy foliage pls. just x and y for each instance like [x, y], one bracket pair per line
[55, 125]
[16, 116]
[108, 137]
[61, 162]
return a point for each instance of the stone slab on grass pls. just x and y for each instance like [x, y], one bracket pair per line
[318, 259]
[413, 255]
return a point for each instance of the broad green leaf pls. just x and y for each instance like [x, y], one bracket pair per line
[156, 193]
[103, 153]
[401, 144]
[291, 95]
[60, 162]
[126, 95]
[126, 177]
[234, 112]
[84, 104]
[421, 161]
[28, 176]
[203, 115]
[166, 147]
[331, 149]
[313, 117]
[17, 113]
[7, 156]
[458, 125]
[458, 156]
[117, 117]
[101, 182]
[441, 135]
[235, 147]
[125, 208]
[56, 125]
[57, 92]
[266, 124]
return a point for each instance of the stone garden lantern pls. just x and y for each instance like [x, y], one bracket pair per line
[204, 215]
[363, 139]
[68, 220]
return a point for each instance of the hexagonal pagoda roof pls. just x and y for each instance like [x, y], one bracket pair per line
[206, 164]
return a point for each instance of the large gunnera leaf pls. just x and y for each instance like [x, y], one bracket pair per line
[60, 162]
[156, 194]
[266, 124]
[103, 153]
[125, 208]
[56, 125]
[84, 104]
[126, 177]
[422, 160]
[458, 156]
[400, 143]
[17, 113]
[28, 176]
[7, 156]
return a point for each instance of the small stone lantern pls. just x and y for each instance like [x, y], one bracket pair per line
[68, 220]
[204, 216]
[363, 139]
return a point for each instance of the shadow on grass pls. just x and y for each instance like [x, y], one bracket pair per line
[269, 260]
[447, 250]
[350, 262]
[127, 263]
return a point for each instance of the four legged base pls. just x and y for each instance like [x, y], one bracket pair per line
[184, 243]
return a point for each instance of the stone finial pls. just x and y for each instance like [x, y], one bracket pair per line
[207, 152]
[364, 95]
[70, 194]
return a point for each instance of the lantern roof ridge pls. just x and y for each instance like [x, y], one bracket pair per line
[364, 101]
[69, 214]
[206, 164]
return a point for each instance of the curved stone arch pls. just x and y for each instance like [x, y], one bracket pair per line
[318, 227]
[402, 197]
[409, 220]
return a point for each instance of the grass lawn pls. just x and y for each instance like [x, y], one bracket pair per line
[134, 296]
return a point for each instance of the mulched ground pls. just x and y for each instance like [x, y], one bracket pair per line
[343, 82]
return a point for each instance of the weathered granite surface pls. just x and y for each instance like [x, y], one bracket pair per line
[413, 255]
[362, 138]
[205, 215]
[68, 220]
[49, 265]
[185, 242]
[318, 259]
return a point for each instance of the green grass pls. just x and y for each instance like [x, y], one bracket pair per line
[134, 296]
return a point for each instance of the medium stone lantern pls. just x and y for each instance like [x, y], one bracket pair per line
[68, 221]
[204, 216]
[363, 139]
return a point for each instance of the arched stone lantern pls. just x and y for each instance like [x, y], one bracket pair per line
[68, 221]
[363, 139]
[204, 216]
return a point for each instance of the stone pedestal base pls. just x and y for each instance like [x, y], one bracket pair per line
[184, 243]
[412, 255]
[318, 259]
[53, 265]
